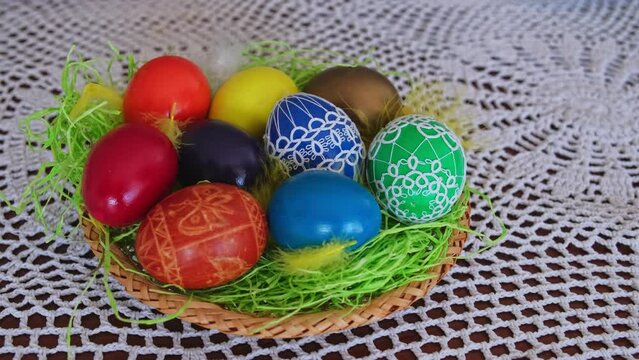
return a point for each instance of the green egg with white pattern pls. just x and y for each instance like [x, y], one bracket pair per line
[416, 168]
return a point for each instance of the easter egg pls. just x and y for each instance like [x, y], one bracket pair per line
[416, 168]
[165, 87]
[319, 206]
[127, 172]
[202, 236]
[246, 99]
[368, 97]
[218, 152]
[307, 132]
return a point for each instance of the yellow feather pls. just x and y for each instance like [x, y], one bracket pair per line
[170, 127]
[432, 99]
[313, 260]
[93, 94]
[275, 173]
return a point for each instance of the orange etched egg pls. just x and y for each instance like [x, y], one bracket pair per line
[202, 236]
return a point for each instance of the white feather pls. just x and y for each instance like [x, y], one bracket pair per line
[222, 58]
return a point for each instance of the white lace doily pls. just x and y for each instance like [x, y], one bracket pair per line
[553, 88]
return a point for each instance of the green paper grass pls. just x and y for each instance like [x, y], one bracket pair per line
[300, 64]
[399, 254]
[68, 139]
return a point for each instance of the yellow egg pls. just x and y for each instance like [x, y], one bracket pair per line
[246, 99]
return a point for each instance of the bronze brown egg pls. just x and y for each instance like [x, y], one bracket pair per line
[367, 96]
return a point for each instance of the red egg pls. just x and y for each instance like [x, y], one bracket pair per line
[202, 236]
[165, 86]
[128, 171]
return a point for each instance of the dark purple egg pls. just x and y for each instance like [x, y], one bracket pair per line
[215, 151]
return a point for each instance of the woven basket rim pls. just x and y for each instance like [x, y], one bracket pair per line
[212, 316]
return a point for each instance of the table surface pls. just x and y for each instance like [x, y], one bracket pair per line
[551, 88]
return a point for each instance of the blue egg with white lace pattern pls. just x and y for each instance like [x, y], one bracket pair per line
[317, 207]
[307, 132]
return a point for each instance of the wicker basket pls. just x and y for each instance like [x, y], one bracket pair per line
[215, 317]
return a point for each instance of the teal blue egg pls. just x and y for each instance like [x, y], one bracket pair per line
[319, 206]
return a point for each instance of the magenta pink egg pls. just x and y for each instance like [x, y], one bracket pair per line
[127, 172]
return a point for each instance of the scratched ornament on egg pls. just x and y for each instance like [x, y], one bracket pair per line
[202, 236]
[307, 132]
[416, 168]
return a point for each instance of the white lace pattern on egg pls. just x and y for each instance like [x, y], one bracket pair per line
[415, 177]
[331, 142]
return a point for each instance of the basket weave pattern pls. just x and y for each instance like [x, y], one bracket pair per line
[212, 316]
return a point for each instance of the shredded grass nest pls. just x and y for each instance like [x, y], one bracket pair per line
[398, 255]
